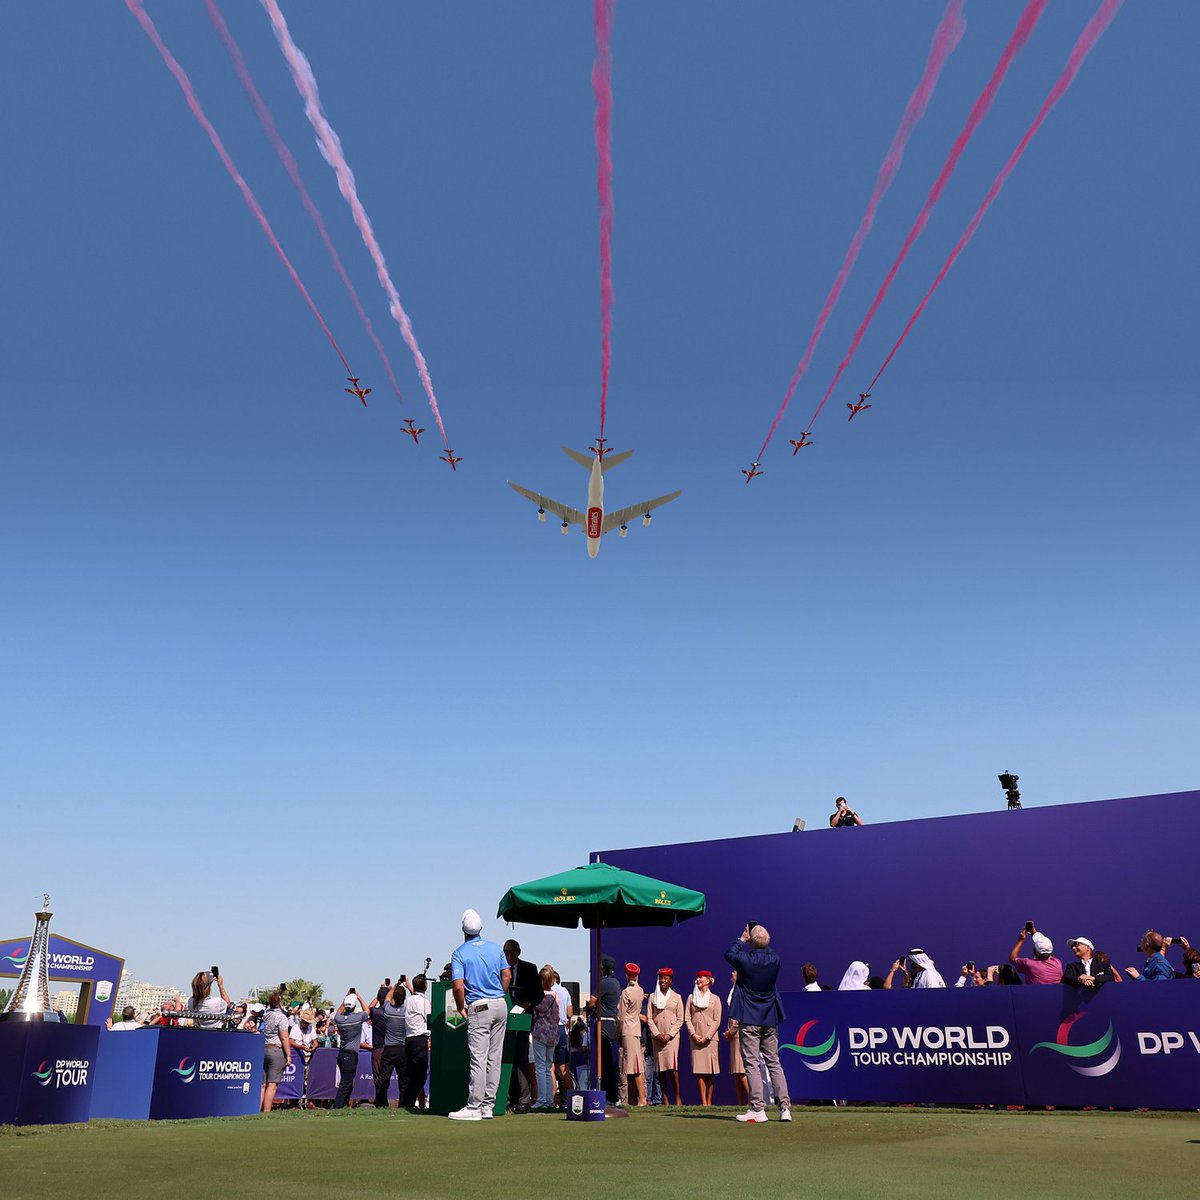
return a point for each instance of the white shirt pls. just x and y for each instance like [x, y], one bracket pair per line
[215, 1007]
[305, 1039]
[365, 1042]
[126, 1025]
[564, 999]
[417, 1008]
[812, 987]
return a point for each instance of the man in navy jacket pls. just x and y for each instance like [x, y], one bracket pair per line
[758, 1011]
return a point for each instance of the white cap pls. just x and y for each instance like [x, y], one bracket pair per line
[257, 1008]
[1042, 944]
[472, 922]
[351, 1003]
[1082, 942]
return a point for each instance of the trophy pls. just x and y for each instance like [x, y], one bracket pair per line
[31, 998]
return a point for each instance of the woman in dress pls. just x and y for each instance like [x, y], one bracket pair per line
[737, 1068]
[664, 1019]
[703, 1020]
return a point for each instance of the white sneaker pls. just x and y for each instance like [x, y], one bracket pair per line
[487, 1114]
[785, 1114]
[466, 1114]
[750, 1117]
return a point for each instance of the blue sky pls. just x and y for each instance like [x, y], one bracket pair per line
[282, 691]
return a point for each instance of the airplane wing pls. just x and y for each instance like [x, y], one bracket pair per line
[622, 515]
[563, 512]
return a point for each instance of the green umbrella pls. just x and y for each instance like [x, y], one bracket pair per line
[597, 896]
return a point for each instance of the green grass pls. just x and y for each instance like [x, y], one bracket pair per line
[684, 1152]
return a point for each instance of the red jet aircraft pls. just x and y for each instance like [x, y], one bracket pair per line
[861, 406]
[448, 457]
[750, 474]
[412, 431]
[805, 440]
[361, 392]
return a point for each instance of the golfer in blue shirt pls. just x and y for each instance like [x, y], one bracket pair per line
[481, 977]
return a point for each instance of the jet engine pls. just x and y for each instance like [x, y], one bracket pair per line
[541, 514]
[624, 530]
[566, 528]
[646, 519]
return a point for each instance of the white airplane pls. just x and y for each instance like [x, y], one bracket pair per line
[597, 523]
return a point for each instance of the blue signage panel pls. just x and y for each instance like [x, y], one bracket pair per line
[201, 1073]
[291, 1086]
[125, 1073]
[919, 1047]
[1126, 1046]
[47, 1072]
[72, 962]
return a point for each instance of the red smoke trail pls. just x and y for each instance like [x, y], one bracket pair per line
[1087, 39]
[983, 102]
[602, 19]
[285, 156]
[330, 146]
[946, 37]
[135, 7]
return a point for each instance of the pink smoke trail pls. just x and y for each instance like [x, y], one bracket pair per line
[330, 146]
[946, 37]
[289, 163]
[1087, 39]
[1025, 26]
[602, 19]
[185, 84]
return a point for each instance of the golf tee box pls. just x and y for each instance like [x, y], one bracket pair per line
[47, 1072]
[585, 1106]
[450, 1058]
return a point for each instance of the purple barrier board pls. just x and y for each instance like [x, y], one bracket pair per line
[199, 1073]
[322, 1081]
[47, 1072]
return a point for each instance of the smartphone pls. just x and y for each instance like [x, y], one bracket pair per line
[751, 924]
[970, 967]
[351, 992]
[388, 983]
[1028, 926]
[216, 971]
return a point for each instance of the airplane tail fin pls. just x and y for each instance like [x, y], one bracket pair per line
[606, 464]
[613, 460]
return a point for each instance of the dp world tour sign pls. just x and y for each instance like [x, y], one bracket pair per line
[1126, 1046]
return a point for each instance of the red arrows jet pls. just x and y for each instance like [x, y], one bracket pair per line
[448, 457]
[361, 392]
[861, 406]
[600, 449]
[412, 431]
[750, 474]
[805, 440]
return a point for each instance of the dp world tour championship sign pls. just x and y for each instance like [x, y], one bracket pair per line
[1129, 1045]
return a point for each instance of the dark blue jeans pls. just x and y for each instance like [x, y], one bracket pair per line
[348, 1066]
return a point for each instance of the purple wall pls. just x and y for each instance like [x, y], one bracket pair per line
[960, 887]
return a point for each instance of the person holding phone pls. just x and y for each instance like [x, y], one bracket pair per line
[209, 1008]
[1043, 967]
[759, 1012]
[845, 816]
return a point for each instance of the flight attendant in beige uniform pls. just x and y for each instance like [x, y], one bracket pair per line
[664, 1015]
[703, 1020]
[629, 1030]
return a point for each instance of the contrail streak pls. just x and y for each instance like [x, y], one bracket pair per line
[185, 84]
[602, 19]
[1025, 26]
[330, 146]
[289, 163]
[946, 37]
[1087, 39]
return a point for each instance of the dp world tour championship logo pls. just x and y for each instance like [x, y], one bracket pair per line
[813, 1057]
[1086, 1059]
[184, 1071]
[44, 1073]
[18, 956]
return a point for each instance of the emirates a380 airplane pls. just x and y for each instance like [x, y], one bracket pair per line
[597, 522]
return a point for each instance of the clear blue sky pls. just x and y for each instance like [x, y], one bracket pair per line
[279, 690]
